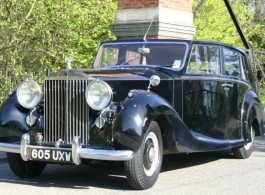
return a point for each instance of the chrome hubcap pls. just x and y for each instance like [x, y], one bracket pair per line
[151, 154]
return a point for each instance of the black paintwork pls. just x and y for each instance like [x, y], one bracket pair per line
[195, 112]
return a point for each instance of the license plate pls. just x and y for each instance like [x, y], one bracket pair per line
[51, 155]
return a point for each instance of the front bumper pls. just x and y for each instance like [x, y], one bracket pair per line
[78, 153]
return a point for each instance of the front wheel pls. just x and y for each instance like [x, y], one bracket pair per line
[245, 151]
[24, 169]
[142, 171]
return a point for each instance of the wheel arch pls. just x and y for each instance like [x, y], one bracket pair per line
[253, 115]
[255, 125]
[168, 133]
[145, 107]
[12, 120]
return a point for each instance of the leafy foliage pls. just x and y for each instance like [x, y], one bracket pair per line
[40, 34]
[214, 22]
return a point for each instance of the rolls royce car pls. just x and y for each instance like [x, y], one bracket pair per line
[141, 99]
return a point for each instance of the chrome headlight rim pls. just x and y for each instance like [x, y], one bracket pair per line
[109, 94]
[39, 91]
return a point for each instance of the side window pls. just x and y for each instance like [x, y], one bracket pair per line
[243, 68]
[233, 63]
[205, 59]
[109, 56]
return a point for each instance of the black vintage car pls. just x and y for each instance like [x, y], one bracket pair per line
[141, 100]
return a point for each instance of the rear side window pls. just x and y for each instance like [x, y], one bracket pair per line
[233, 63]
[205, 59]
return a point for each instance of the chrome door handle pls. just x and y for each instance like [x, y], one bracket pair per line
[227, 85]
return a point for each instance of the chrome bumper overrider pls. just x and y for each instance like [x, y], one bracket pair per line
[78, 152]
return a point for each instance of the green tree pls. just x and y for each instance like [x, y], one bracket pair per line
[40, 34]
[214, 22]
[256, 28]
[44, 32]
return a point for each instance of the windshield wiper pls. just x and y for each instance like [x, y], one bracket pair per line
[165, 65]
[126, 62]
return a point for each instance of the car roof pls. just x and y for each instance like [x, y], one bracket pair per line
[149, 40]
[208, 42]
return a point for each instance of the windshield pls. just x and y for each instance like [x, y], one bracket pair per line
[151, 53]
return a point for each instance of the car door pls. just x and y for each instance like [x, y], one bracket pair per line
[205, 101]
[235, 88]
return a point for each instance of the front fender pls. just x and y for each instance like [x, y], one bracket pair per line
[12, 120]
[135, 115]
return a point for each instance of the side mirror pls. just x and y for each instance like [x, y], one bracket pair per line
[154, 81]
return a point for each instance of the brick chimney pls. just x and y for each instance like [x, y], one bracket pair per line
[173, 19]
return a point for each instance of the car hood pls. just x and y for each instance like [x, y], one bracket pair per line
[121, 80]
[135, 73]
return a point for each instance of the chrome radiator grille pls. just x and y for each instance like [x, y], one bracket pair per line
[66, 110]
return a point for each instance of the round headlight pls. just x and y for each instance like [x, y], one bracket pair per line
[29, 94]
[98, 95]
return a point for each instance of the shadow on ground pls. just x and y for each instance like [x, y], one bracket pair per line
[103, 175]
[110, 175]
[259, 145]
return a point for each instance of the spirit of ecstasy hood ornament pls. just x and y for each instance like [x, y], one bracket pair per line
[68, 62]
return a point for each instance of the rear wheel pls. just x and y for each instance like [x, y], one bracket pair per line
[142, 171]
[24, 169]
[245, 150]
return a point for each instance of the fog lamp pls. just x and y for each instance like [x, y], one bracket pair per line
[100, 122]
[31, 120]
